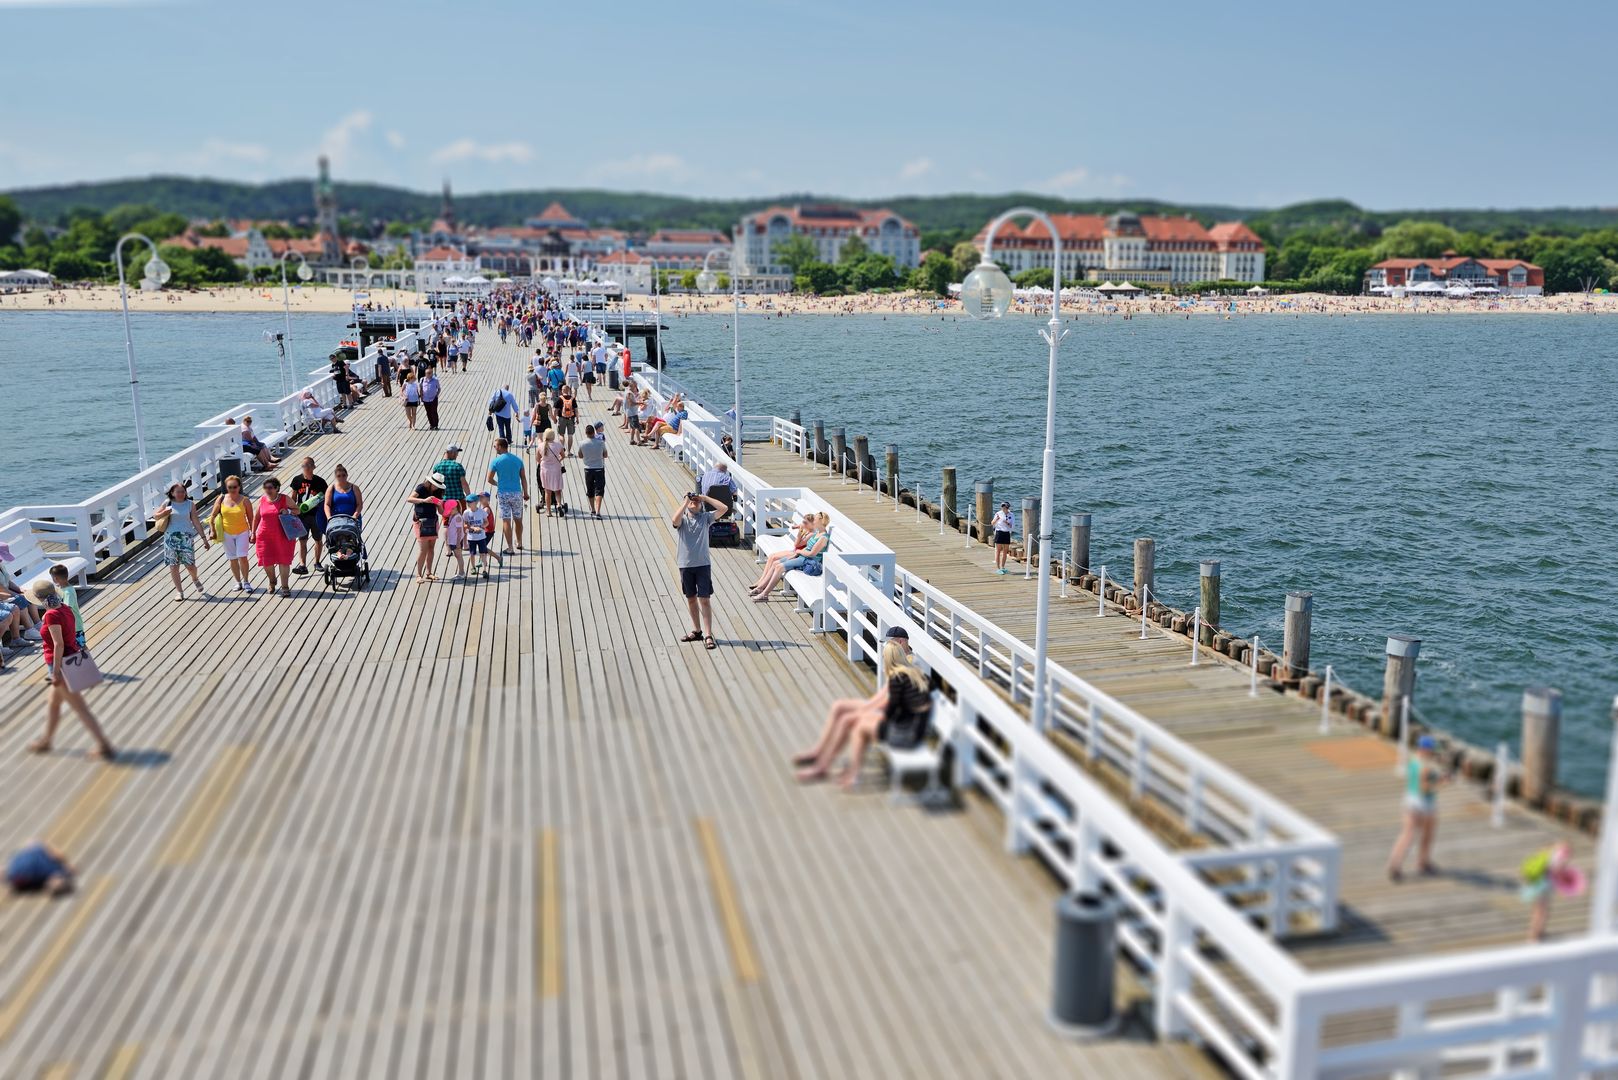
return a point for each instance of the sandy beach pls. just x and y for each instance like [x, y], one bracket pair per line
[328, 299]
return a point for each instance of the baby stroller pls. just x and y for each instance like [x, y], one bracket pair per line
[345, 554]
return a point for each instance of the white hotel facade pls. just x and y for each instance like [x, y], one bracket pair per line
[1129, 247]
[828, 227]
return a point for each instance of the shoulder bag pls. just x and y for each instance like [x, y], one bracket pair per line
[79, 672]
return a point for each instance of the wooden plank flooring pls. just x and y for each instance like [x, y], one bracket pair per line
[502, 828]
[1271, 739]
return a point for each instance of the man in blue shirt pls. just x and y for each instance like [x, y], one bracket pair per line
[511, 482]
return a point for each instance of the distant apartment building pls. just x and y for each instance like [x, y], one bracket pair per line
[252, 249]
[828, 227]
[683, 249]
[1514, 276]
[1142, 250]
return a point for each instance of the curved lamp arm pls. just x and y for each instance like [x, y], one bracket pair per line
[1056, 246]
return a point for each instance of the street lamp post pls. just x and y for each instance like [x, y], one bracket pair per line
[986, 294]
[304, 274]
[657, 326]
[157, 272]
[706, 281]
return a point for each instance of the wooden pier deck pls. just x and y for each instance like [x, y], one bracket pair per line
[502, 828]
[1345, 781]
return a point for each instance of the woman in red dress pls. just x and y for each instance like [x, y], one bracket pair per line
[275, 548]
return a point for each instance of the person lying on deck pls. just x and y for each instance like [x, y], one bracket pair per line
[897, 714]
[38, 867]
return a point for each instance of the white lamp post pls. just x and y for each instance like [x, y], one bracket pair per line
[706, 282]
[986, 294]
[157, 274]
[657, 327]
[304, 274]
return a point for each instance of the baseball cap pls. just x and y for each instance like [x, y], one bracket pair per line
[898, 632]
[453, 448]
[1426, 742]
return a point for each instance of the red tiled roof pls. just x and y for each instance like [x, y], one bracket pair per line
[826, 216]
[1173, 230]
[1234, 232]
[303, 247]
[444, 254]
[621, 258]
[555, 212]
[687, 236]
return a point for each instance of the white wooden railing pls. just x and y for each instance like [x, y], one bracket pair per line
[1214, 975]
[789, 436]
[1287, 864]
[105, 526]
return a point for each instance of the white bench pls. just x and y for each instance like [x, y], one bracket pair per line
[926, 758]
[29, 562]
[674, 444]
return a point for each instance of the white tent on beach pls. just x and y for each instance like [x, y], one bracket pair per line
[1124, 289]
[1258, 290]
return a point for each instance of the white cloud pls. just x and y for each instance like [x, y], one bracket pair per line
[212, 154]
[654, 166]
[339, 138]
[472, 150]
[1080, 180]
[396, 140]
[917, 168]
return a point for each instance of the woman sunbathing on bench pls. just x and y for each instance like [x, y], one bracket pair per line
[806, 529]
[897, 714]
[809, 560]
[667, 424]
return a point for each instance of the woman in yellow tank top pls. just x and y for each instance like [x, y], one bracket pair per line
[234, 523]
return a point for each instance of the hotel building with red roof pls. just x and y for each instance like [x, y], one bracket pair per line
[828, 226]
[1140, 249]
[1513, 276]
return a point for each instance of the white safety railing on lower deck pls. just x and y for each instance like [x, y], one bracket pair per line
[789, 436]
[1542, 1011]
[1279, 864]
[1213, 974]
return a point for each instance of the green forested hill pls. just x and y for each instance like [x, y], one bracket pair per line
[951, 214]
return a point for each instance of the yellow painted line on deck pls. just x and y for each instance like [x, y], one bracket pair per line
[550, 917]
[123, 1062]
[70, 830]
[207, 807]
[742, 956]
[85, 905]
[60, 1071]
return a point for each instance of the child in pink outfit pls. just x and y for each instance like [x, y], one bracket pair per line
[455, 535]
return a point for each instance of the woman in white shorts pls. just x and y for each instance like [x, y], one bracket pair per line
[233, 522]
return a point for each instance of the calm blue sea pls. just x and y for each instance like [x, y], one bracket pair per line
[1451, 477]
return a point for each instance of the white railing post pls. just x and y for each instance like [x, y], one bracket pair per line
[893, 484]
[954, 632]
[1502, 766]
[1325, 704]
[1172, 977]
[1196, 635]
[1101, 594]
[1016, 844]
[1011, 676]
[1093, 735]
[968, 543]
[1137, 768]
[1064, 573]
[1193, 803]
[1252, 681]
[1145, 599]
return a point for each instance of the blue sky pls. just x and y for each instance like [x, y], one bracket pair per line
[1254, 104]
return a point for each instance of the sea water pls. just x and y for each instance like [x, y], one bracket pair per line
[1454, 478]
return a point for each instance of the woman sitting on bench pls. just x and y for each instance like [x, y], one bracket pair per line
[667, 424]
[808, 559]
[805, 529]
[897, 714]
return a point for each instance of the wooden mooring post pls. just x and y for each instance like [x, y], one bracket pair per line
[1079, 545]
[946, 499]
[1295, 635]
[983, 492]
[1145, 557]
[1398, 680]
[1209, 598]
[1541, 736]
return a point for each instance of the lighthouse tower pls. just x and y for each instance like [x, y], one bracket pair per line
[331, 250]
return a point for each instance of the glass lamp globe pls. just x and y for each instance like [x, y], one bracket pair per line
[158, 272]
[986, 292]
[304, 273]
[706, 281]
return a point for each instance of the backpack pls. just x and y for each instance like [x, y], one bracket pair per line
[497, 402]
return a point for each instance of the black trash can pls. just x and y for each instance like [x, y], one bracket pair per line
[230, 466]
[1086, 956]
[612, 377]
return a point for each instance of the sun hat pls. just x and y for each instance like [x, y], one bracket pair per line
[436, 479]
[39, 591]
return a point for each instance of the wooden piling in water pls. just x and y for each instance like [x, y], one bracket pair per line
[1541, 736]
[946, 499]
[862, 450]
[983, 491]
[892, 455]
[1078, 545]
[1209, 599]
[1145, 555]
[1295, 637]
[1398, 680]
[839, 449]
[820, 441]
[1030, 527]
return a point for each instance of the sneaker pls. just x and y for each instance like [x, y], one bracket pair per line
[246, 588]
[1001, 571]
[179, 597]
[300, 569]
[33, 634]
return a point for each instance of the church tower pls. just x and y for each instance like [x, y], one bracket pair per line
[326, 216]
[446, 213]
